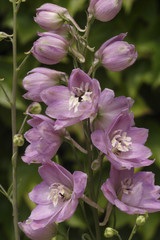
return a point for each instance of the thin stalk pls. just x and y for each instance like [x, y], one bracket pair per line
[23, 123]
[23, 62]
[119, 237]
[91, 203]
[3, 191]
[133, 232]
[86, 219]
[114, 217]
[18, 5]
[6, 95]
[100, 177]
[13, 116]
[81, 149]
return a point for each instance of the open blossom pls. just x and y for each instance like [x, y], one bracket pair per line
[104, 10]
[46, 233]
[74, 103]
[50, 16]
[50, 48]
[110, 107]
[57, 196]
[115, 54]
[44, 140]
[122, 143]
[38, 79]
[132, 193]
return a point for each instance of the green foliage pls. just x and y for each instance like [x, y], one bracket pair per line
[141, 81]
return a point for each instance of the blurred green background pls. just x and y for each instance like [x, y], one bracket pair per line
[141, 19]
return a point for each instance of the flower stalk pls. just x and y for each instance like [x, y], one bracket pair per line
[13, 116]
[133, 232]
[92, 204]
[90, 176]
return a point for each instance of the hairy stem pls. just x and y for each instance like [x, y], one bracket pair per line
[13, 116]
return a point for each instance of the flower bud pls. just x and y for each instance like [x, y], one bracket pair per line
[104, 10]
[115, 54]
[38, 79]
[50, 48]
[34, 108]
[109, 232]
[140, 221]
[50, 16]
[4, 35]
[18, 140]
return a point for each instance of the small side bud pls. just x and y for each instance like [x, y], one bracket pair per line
[140, 221]
[4, 35]
[18, 140]
[34, 108]
[110, 232]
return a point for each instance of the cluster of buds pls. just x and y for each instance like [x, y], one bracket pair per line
[53, 46]
[80, 98]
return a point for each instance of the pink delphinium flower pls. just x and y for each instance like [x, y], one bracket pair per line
[110, 107]
[104, 10]
[115, 54]
[50, 16]
[46, 233]
[74, 103]
[132, 193]
[38, 79]
[122, 143]
[44, 140]
[50, 48]
[57, 196]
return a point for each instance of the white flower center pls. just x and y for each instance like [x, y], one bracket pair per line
[81, 94]
[127, 185]
[59, 191]
[120, 142]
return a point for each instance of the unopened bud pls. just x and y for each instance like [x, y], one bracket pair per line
[50, 48]
[104, 10]
[4, 35]
[109, 232]
[140, 221]
[18, 140]
[50, 16]
[34, 108]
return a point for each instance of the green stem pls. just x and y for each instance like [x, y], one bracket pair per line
[90, 175]
[100, 176]
[86, 219]
[13, 116]
[18, 5]
[23, 62]
[6, 95]
[3, 191]
[133, 232]
[119, 237]
[23, 123]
